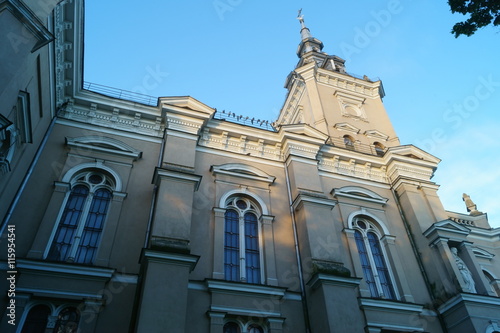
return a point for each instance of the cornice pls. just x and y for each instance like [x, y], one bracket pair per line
[71, 270]
[119, 119]
[29, 20]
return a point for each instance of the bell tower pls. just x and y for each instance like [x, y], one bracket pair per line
[322, 94]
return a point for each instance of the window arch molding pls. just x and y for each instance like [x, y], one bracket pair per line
[224, 199]
[31, 305]
[79, 227]
[263, 224]
[361, 213]
[71, 173]
[388, 249]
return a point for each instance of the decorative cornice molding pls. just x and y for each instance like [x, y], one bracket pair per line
[239, 288]
[242, 171]
[65, 269]
[29, 20]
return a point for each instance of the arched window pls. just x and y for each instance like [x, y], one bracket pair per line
[349, 142]
[36, 320]
[491, 281]
[373, 262]
[67, 321]
[232, 327]
[82, 219]
[241, 241]
[255, 329]
[379, 148]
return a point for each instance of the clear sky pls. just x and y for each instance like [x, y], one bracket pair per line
[442, 93]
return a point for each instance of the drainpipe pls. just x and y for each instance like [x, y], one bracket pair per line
[27, 176]
[297, 253]
[417, 256]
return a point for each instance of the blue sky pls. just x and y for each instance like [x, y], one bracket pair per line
[442, 93]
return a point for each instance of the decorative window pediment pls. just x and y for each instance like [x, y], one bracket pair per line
[359, 193]
[242, 171]
[482, 253]
[347, 127]
[376, 134]
[105, 145]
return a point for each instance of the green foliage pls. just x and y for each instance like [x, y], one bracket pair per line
[482, 13]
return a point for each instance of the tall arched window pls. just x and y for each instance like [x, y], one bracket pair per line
[82, 219]
[36, 320]
[241, 241]
[373, 261]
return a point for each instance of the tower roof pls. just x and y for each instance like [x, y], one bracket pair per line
[308, 42]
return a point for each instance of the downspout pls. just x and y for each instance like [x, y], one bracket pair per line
[297, 253]
[417, 256]
[27, 176]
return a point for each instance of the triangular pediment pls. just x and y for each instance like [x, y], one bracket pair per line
[104, 145]
[186, 102]
[347, 127]
[376, 134]
[413, 152]
[447, 227]
[303, 129]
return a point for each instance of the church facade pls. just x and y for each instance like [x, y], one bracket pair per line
[127, 216]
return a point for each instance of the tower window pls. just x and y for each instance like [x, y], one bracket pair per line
[349, 142]
[379, 148]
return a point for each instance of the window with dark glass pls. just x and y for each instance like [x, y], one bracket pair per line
[67, 321]
[36, 320]
[231, 327]
[379, 148]
[79, 229]
[241, 241]
[349, 142]
[255, 329]
[373, 262]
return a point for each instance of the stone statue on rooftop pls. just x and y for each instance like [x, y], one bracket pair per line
[471, 206]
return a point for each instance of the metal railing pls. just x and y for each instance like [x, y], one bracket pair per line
[357, 147]
[244, 120]
[121, 94]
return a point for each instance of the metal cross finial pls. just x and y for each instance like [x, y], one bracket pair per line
[300, 17]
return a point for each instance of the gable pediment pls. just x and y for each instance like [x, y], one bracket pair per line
[104, 145]
[347, 127]
[413, 152]
[376, 134]
[447, 229]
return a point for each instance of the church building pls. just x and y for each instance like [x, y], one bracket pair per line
[126, 215]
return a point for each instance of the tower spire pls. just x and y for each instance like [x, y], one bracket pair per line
[308, 42]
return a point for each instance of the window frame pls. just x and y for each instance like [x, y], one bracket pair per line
[251, 208]
[23, 108]
[374, 229]
[80, 179]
